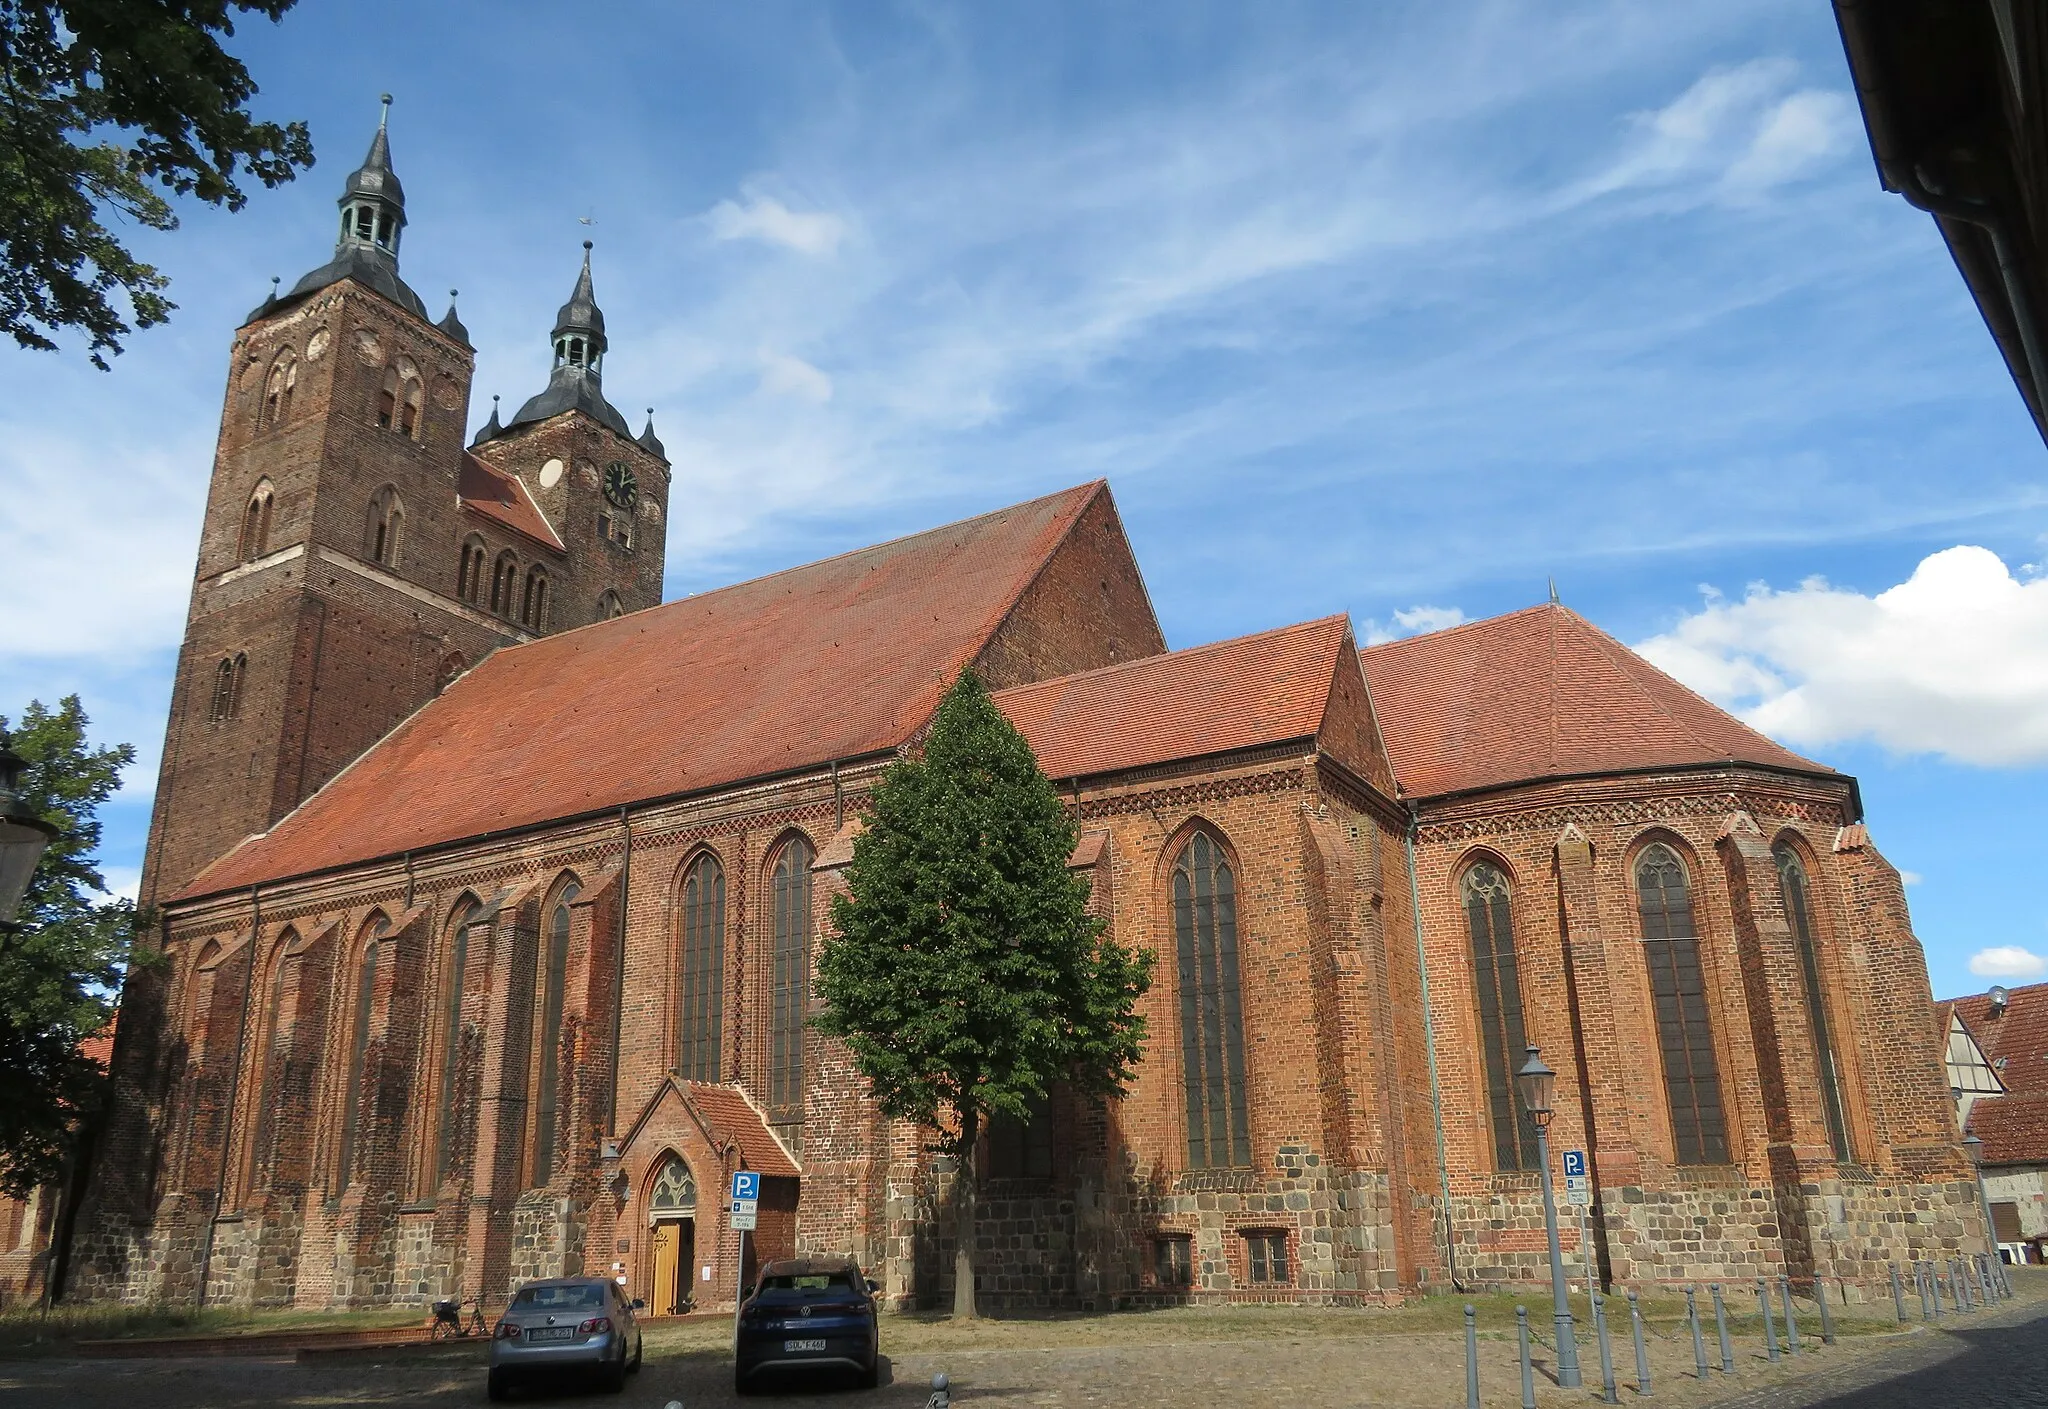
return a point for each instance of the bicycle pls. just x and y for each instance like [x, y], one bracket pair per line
[448, 1322]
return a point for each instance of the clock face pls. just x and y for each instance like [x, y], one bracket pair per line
[619, 485]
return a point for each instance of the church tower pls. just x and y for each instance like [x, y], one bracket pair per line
[604, 489]
[355, 557]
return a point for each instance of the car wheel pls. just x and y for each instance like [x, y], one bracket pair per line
[498, 1386]
[612, 1379]
[872, 1375]
[741, 1384]
[639, 1353]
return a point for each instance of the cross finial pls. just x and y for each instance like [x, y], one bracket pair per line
[384, 117]
[1553, 591]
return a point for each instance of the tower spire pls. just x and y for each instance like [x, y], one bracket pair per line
[579, 325]
[373, 201]
[575, 381]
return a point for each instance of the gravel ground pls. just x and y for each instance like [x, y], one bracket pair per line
[1243, 1356]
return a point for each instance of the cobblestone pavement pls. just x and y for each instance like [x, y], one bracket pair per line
[1237, 1357]
[1996, 1361]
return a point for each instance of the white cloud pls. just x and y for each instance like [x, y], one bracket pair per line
[1953, 661]
[1734, 134]
[1910, 878]
[2007, 961]
[756, 216]
[1410, 621]
[783, 375]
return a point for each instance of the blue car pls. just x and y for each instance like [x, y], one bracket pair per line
[809, 1313]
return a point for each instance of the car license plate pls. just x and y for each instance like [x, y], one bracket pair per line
[796, 1347]
[551, 1333]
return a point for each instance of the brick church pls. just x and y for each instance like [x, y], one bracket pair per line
[491, 888]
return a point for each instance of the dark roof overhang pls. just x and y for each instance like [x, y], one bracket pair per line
[1952, 93]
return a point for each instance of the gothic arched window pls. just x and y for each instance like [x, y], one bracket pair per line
[386, 523]
[1799, 914]
[789, 897]
[700, 985]
[451, 1039]
[271, 1059]
[469, 581]
[255, 539]
[365, 1001]
[387, 399]
[1211, 1023]
[533, 602]
[1489, 918]
[552, 982]
[227, 688]
[278, 388]
[609, 605]
[411, 397]
[505, 583]
[675, 1190]
[1671, 951]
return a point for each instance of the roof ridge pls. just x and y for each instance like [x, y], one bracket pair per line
[1154, 659]
[1096, 485]
[1601, 641]
[1629, 654]
[1443, 631]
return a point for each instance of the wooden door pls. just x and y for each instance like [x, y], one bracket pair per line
[667, 1270]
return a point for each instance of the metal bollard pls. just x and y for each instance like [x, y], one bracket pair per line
[1934, 1286]
[1721, 1330]
[1827, 1322]
[1699, 1342]
[1635, 1318]
[1977, 1283]
[1607, 1393]
[1959, 1278]
[1528, 1370]
[1471, 1357]
[1791, 1321]
[1898, 1294]
[1955, 1289]
[942, 1397]
[1763, 1302]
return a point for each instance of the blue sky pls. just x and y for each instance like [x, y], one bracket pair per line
[1399, 309]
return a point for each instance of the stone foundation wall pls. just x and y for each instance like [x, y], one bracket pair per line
[547, 1238]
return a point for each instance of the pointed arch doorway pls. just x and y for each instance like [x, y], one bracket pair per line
[672, 1210]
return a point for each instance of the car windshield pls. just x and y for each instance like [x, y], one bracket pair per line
[808, 1282]
[553, 1298]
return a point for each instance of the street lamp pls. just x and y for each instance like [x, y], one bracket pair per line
[1974, 1148]
[24, 836]
[1536, 1082]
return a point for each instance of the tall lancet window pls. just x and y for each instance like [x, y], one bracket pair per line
[700, 982]
[1489, 919]
[790, 900]
[1671, 950]
[553, 985]
[1211, 1022]
[1799, 914]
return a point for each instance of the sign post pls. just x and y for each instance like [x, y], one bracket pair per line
[1578, 1193]
[746, 1206]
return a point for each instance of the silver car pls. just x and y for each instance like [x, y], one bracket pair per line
[565, 1326]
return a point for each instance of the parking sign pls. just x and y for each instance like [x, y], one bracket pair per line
[1574, 1164]
[746, 1185]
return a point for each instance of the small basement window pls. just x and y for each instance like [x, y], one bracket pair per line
[1266, 1258]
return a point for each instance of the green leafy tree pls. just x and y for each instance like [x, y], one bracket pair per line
[967, 975]
[62, 961]
[107, 106]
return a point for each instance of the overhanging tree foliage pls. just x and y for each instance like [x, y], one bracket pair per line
[106, 106]
[61, 963]
[967, 975]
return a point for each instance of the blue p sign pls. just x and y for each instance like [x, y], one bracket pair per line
[746, 1184]
[1574, 1164]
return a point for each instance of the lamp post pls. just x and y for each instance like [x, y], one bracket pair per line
[24, 836]
[1974, 1148]
[1536, 1082]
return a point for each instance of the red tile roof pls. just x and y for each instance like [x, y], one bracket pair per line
[1542, 693]
[834, 660]
[2014, 1127]
[503, 499]
[1209, 699]
[733, 1116]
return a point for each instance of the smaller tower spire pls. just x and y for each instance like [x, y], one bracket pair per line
[579, 325]
[649, 441]
[373, 201]
[451, 324]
